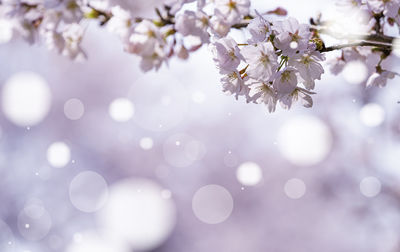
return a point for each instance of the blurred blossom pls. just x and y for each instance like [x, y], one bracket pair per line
[26, 99]
[212, 204]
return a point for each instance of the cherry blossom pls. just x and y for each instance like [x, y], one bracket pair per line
[279, 60]
[262, 61]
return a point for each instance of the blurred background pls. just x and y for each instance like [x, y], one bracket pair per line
[98, 156]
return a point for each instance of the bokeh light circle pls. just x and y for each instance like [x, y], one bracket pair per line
[370, 187]
[355, 72]
[146, 143]
[295, 188]
[372, 115]
[182, 150]
[26, 99]
[58, 154]
[121, 110]
[137, 214]
[74, 109]
[304, 140]
[88, 191]
[212, 204]
[249, 173]
[34, 222]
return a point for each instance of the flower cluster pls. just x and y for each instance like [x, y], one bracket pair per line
[56, 23]
[279, 63]
[376, 18]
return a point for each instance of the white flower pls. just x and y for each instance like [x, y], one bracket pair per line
[291, 36]
[285, 81]
[259, 29]
[72, 35]
[232, 10]
[176, 5]
[262, 61]
[308, 67]
[233, 84]
[380, 79]
[120, 22]
[219, 27]
[263, 93]
[54, 41]
[390, 8]
[193, 23]
[287, 100]
[154, 60]
[144, 38]
[226, 55]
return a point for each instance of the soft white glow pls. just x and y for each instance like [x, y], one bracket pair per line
[293, 45]
[212, 204]
[121, 110]
[355, 72]
[146, 143]
[372, 115]
[137, 214]
[6, 31]
[249, 173]
[91, 241]
[88, 191]
[396, 47]
[370, 187]
[26, 99]
[182, 150]
[304, 140]
[34, 222]
[295, 188]
[58, 154]
[198, 97]
[74, 109]
[346, 22]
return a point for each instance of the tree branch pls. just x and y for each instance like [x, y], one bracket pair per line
[362, 43]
